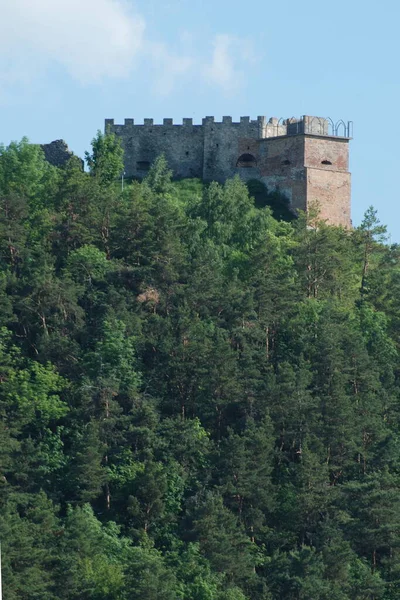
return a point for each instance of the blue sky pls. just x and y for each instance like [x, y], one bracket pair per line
[65, 65]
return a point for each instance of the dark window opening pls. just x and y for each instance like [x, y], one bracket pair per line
[326, 162]
[143, 165]
[187, 153]
[248, 147]
[217, 145]
[286, 162]
[246, 161]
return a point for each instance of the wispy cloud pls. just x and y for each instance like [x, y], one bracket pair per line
[169, 66]
[229, 59]
[91, 39]
[98, 40]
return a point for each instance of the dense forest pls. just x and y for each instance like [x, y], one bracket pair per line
[199, 395]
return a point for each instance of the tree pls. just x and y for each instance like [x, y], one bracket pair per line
[93, 558]
[105, 162]
[28, 529]
[24, 173]
[244, 472]
[159, 176]
[370, 234]
[148, 576]
[222, 539]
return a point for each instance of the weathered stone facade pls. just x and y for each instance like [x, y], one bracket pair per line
[57, 153]
[305, 159]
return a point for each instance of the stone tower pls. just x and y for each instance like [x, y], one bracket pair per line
[306, 159]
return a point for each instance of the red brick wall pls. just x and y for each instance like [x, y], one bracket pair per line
[330, 149]
[294, 166]
[330, 190]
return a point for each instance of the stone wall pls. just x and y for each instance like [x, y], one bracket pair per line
[183, 146]
[57, 153]
[225, 142]
[209, 151]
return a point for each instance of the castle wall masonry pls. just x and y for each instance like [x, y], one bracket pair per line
[305, 159]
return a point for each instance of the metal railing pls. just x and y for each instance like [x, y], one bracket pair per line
[313, 126]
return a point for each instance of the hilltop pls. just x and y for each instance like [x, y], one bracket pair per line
[198, 400]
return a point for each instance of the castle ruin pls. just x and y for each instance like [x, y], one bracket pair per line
[305, 159]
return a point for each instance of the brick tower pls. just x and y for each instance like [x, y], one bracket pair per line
[309, 164]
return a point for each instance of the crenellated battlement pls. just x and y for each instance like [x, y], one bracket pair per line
[274, 127]
[226, 120]
[294, 155]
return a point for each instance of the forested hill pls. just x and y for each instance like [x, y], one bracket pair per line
[198, 401]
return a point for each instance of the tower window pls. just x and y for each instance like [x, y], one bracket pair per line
[326, 162]
[246, 161]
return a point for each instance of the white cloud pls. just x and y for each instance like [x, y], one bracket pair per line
[91, 39]
[169, 67]
[230, 57]
[95, 40]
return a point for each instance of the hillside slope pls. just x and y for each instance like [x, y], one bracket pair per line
[197, 401]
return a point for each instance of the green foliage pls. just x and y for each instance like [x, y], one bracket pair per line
[24, 173]
[105, 161]
[159, 176]
[92, 557]
[29, 392]
[278, 203]
[148, 576]
[87, 263]
[197, 401]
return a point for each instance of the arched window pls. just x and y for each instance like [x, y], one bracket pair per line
[326, 162]
[246, 161]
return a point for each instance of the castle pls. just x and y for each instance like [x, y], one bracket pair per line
[305, 159]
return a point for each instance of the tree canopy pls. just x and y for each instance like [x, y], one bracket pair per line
[198, 401]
